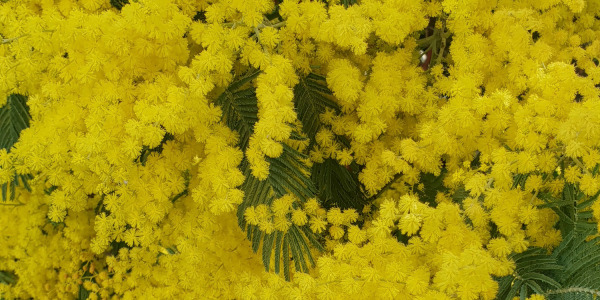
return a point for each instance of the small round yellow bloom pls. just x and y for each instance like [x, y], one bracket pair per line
[499, 247]
[299, 217]
[410, 224]
[336, 232]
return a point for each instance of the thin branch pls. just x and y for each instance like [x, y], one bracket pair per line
[6, 41]
[443, 47]
[12, 204]
[385, 188]
[578, 162]
[276, 25]
[574, 290]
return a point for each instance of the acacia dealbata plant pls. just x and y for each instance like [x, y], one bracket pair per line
[268, 149]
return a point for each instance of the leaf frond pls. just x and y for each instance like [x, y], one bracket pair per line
[14, 118]
[337, 185]
[240, 108]
[572, 269]
[288, 174]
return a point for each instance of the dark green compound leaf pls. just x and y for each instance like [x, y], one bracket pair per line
[83, 293]
[572, 269]
[433, 184]
[118, 4]
[580, 255]
[277, 252]
[240, 107]
[14, 118]
[300, 264]
[337, 185]
[312, 98]
[288, 174]
[532, 271]
[286, 257]
[267, 248]
[298, 236]
[283, 178]
[7, 277]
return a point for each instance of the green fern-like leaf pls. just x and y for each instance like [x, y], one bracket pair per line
[312, 98]
[337, 185]
[432, 185]
[579, 251]
[572, 270]
[14, 118]
[118, 4]
[12, 186]
[580, 257]
[84, 293]
[7, 277]
[239, 105]
[288, 174]
[531, 274]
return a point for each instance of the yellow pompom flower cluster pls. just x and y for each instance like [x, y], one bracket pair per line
[447, 262]
[275, 113]
[285, 211]
[464, 124]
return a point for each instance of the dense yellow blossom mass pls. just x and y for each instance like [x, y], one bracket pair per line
[465, 123]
